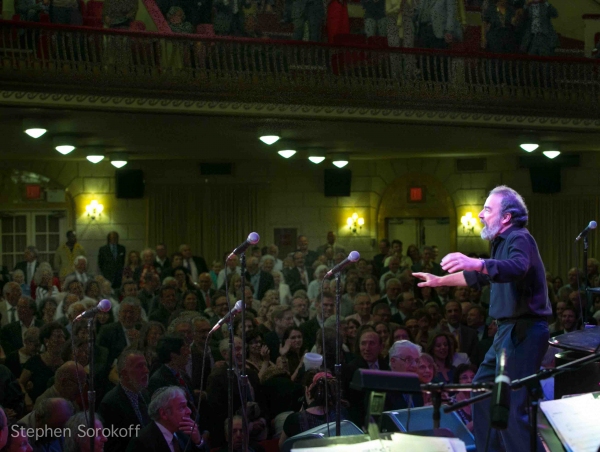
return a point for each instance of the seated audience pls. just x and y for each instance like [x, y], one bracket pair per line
[404, 357]
[77, 434]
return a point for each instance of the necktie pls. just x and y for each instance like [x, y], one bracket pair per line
[457, 336]
[175, 444]
[136, 408]
[373, 366]
[11, 314]
[114, 250]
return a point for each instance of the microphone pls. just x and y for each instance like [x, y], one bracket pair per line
[500, 407]
[236, 308]
[583, 233]
[102, 306]
[252, 239]
[354, 256]
[594, 290]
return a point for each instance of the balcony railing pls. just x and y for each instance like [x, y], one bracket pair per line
[81, 60]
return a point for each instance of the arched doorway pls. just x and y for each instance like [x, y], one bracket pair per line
[431, 221]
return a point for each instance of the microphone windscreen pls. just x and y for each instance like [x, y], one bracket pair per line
[104, 305]
[354, 256]
[253, 238]
[593, 225]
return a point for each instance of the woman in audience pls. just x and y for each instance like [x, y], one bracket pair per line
[31, 347]
[149, 335]
[44, 285]
[149, 265]
[106, 291]
[40, 368]
[291, 351]
[92, 290]
[352, 327]
[75, 441]
[132, 264]
[190, 301]
[426, 371]
[184, 282]
[314, 288]
[371, 286]
[435, 314]
[285, 296]
[54, 280]
[383, 331]
[423, 320]
[426, 295]
[313, 413]
[19, 278]
[250, 324]
[441, 347]
[558, 309]
[347, 302]
[257, 353]
[413, 252]
[464, 375]
[104, 318]
[263, 312]
[47, 310]
[557, 283]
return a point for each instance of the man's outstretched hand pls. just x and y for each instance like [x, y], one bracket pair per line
[456, 262]
[429, 280]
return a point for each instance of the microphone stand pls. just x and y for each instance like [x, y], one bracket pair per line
[91, 390]
[243, 377]
[582, 305]
[338, 360]
[531, 382]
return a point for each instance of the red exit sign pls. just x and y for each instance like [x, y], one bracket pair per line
[33, 192]
[415, 194]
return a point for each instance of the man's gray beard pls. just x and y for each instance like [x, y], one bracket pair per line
[491, 231]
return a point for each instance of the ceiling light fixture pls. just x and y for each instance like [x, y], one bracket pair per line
[64, 144]
[33, 128]
[269, 139]
[316, 159]
[95, 158]
[551, 154]
[529, 147]
[287, 153]
[118, 160]
[340, 162]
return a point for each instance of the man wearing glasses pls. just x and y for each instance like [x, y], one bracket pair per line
[404, 357]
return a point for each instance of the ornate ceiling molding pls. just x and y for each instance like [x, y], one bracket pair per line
[145, 104]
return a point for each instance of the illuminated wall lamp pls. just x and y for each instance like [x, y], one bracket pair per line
[94, 209]
[468, 222]
[355, 223]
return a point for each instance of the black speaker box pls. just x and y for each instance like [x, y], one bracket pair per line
[337, 182]
[129, 183]
[545, 179]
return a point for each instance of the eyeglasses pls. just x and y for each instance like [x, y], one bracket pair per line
[409, 361]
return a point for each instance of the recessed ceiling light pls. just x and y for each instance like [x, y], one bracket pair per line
[95, 158]
[65, 149]
[119, 159]
[287, 153]
[118, 163]
[316, 159]
[529, 147]
[35, 132]
[551, 154]
[64, 144]
[269, 139]
[340, 163]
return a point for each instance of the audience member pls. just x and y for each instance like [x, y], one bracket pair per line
[404, 357]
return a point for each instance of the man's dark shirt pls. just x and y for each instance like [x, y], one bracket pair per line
[517, 277]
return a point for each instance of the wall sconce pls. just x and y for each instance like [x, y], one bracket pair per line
[355, 223]
[94, 209]
[468, 222]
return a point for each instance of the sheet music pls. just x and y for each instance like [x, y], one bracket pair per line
[575, 421]
[400, 442]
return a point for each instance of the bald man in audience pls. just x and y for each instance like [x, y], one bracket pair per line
[68, 381]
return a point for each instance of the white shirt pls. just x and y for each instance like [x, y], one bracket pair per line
[167, 435]
[81, 277]
[221, 277]
[30, 271]
[191, 266]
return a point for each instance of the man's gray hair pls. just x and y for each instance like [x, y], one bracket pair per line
[161, 399]
[146, 251]
[8, 287]
[236, 417]
[47, 406]
[130, 301]
[178, 321]
[398, 346]
[72, 434]
[513, 204]
[79, 258]
[122, 359]
[265, 258]
[391, 281]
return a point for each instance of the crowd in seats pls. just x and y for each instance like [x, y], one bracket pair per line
[153, 348]
[508, 26]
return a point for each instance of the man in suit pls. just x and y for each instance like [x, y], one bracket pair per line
[393, 289]
[116, 336]
[167, 306]
[29, 265]
[111, 259]
[404, 357]
[260, 280]
[206, 291]
[162, 258]
[476, 320]
[65, 385]
[331, 244]
[370, 347]
[195, 264]
[465, 336]
[8, 306]
[125, 405]
[406, 306]
[12, 334]
[298, 277]
[309, 329]
[309, 256]
[171, 424]
[379, 259]
[81, 271]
